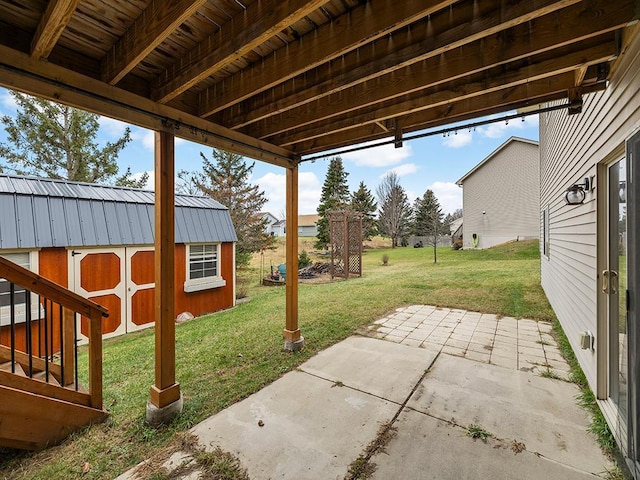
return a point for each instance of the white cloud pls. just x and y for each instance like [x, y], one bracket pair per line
[458, 139]
[402, 170]
[274, 187]
[148, 138]
[383, 156]
[504, 129]
[448, 194]
[112, 127]
[8, 101]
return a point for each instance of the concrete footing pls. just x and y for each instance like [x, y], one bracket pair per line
[294, 346]
[162, 415]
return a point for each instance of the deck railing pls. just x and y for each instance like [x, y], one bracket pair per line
[39, 330]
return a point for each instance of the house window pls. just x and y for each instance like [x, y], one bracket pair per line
[28, 260]
[545, 232]
[203, 267]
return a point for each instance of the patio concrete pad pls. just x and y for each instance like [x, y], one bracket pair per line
[312, 428]
[430, 449]
[384, 369]
[539, 412]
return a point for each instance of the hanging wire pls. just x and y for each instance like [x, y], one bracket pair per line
[443, 131]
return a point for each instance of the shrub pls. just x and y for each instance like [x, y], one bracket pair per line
[385, 259]
[304, 260]
[457, 245]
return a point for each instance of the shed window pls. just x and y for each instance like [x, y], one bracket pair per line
[29, 261]
[203, 267]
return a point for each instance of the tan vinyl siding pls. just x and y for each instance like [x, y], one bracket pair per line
[506, 187]
[571, 147]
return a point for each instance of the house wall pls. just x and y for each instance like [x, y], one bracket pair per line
[571, 148]
[506, 188]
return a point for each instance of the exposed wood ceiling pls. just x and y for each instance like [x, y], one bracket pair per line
[279, 79]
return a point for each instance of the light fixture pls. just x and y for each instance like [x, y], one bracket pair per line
[576, 193]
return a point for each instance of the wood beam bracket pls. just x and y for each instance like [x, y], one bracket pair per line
[575, 100]
[398, 135]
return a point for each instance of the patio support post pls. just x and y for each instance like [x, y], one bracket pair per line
[292, 339]
[165, 399]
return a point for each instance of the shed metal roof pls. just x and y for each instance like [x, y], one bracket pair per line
[37, 213]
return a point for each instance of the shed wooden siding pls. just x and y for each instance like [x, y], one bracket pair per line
[571, 147]
[206, 301]
[506, 187]
[52, 264]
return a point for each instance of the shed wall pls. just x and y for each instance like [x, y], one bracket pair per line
[506, 189]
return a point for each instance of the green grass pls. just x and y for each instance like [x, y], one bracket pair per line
[223, 358]
[476, 431]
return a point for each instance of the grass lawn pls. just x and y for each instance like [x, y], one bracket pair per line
[224, 357]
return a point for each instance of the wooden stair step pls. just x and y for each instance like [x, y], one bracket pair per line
[6, 366]
[42, 377]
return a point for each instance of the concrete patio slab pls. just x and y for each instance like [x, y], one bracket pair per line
[314, 422]
[430, 449]
[384, 369]
[312, 428]
[539, 412]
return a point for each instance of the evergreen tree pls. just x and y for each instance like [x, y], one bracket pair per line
[335, 196]
[363, 201]
[47, 139]
[428, 220]
[225, 178]
[394, 219]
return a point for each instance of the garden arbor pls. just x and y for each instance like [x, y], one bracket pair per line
[280, 80]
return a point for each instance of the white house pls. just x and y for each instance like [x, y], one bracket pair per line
[589, 239]
[500, 196]
[274, 226]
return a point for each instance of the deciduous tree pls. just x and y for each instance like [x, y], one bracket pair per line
[394, 218]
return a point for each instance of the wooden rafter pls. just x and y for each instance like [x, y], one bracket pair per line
[52, 24]
[328, 42]
[156, 23]
[356, 72]
[260, 21]
[520, 96]
[544, 65]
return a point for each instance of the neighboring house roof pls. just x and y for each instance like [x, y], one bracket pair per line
[307, 220]
[493, 154]
[269, 217]
[38, 212]
[455, 225]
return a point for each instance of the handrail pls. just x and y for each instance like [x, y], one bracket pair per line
[45, 287]
[70, 302]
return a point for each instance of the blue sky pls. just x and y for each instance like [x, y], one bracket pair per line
[434, 163]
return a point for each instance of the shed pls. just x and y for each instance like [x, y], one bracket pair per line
[501, 195]
[99, 242]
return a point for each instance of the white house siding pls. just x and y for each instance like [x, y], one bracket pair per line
[571, 147]
[506, 187]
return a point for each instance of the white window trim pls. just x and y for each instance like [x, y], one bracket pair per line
[36, 308]
[206, 283]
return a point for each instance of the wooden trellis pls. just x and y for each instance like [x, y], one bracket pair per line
[345, 230]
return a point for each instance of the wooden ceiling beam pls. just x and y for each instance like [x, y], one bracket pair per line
[453, 65]
[52, 24]
[544, 66]
[150, 29]
[529, 94]
[249, 29]
[536, 36]
[359, 26]
[44, 79]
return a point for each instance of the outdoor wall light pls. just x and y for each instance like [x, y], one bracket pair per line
[576, 193]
